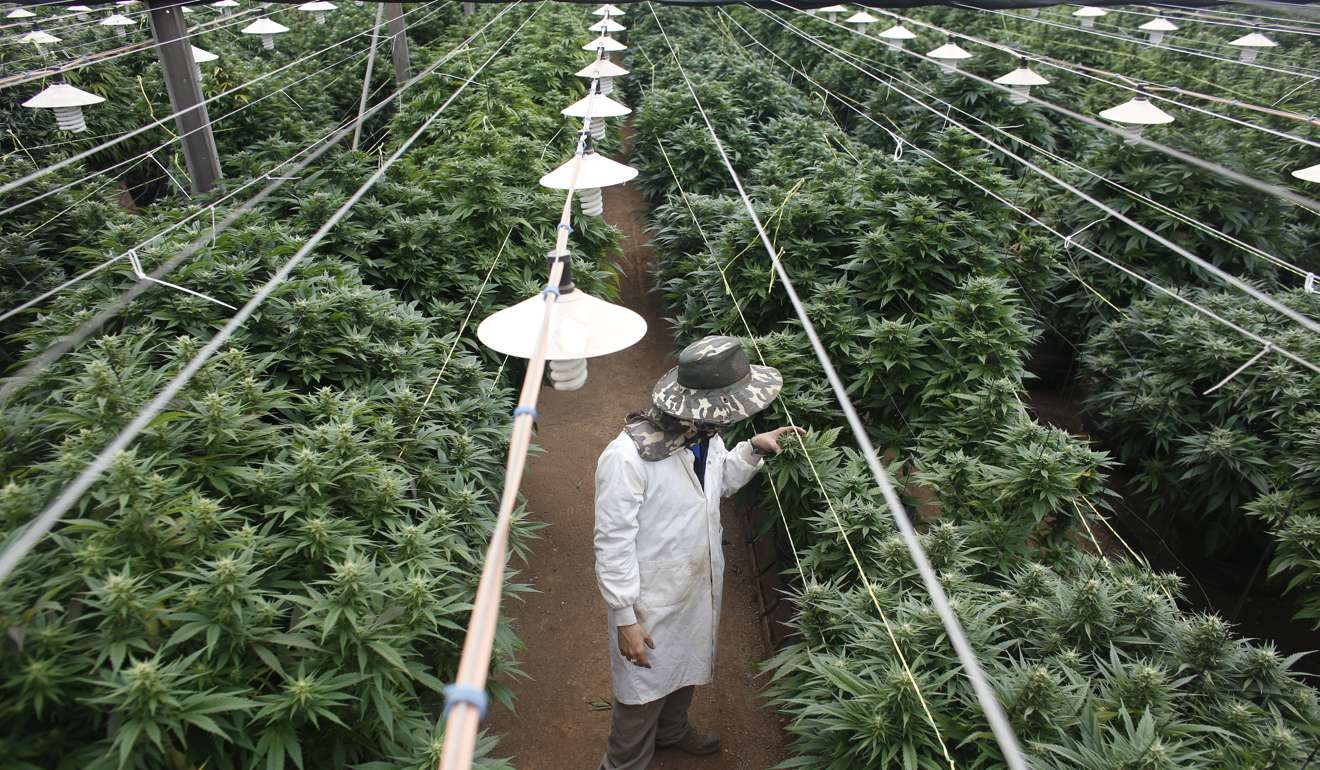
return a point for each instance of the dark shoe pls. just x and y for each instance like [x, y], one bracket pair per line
[696, 743]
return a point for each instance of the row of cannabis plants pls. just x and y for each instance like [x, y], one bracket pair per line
[928, 294]
[278, 573]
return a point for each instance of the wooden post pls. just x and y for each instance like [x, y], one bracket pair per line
[399, 38]
[183, 82]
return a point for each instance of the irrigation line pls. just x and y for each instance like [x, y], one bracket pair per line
[1145, 43]
[28, 538]
[1037, 169]
[463, 717]
[1226, 277]
[994, 713]
[8, 186]
[48, 356]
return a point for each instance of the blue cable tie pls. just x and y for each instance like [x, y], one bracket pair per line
[463, 693]
[527, 410]
[550, 289]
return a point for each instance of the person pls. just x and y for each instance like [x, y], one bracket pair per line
[659, 559]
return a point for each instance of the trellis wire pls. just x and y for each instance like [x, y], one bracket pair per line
[999, 724]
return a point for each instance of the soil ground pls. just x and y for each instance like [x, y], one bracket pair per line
[563, 626]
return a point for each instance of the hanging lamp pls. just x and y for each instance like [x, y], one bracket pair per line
[605, 43]
[318, 8]
[201, 57]
[119, 22]
[1087, 15]
[581, 327]
[896, 36]
[20, 13]
[948, 55]
[267, 29]
[608, 10]
[1251, 45]
[861, 19]
[225, 5]
[607, 25]
[1157, 27]
[833, 11]
[67, 102]
[38, 39]
[603, 71]
[598, 107]
[1020, 82]
[1308, 174]
[1137, 113]
[80, 11]
[596, 171]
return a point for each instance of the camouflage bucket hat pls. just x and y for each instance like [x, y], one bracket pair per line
[715, 383]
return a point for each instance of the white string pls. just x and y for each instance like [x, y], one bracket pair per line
[1198, 261]
[323, 145]
[21, 545]
[110, 54]
[1145, 43]
[1268, 347]
[1218, 12]
[1188, 219]
[142, 276]
[8, 186]
[999, 724]
[1196, 18]
[1028, 164]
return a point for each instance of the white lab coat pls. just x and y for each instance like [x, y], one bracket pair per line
[659, 559]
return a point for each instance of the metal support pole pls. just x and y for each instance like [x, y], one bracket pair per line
[366, 79]
[399, 36]
[469, 8]
[184, 83]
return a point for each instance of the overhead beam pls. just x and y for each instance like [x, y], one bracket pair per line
[183, 82]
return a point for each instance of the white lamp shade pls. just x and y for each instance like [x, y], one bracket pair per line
[581, 326]
[1308, 174]
[1159, 24]
[605, 43]
[79, 8]
[126, 2]
[607, 25]
[264, 26]
[1090, 12]
[38, 37]
[225, 4]
[63, 95]
[833, 9]
[1254, 40]
[608, 10]
[201, 56]
[595, 106]
[320, 6]
[1022, 76]
[861, 17]
[116, 20]
[20, 13]
[1137, 111]
[949, 52]
[596, 171]
[898, 32]
[602, 68]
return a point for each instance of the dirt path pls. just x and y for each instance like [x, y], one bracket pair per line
[563, 626]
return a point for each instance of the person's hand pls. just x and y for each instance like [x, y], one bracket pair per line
[768, 442]
[633, 641]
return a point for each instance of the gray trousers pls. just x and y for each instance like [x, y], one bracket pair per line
[635, 730]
